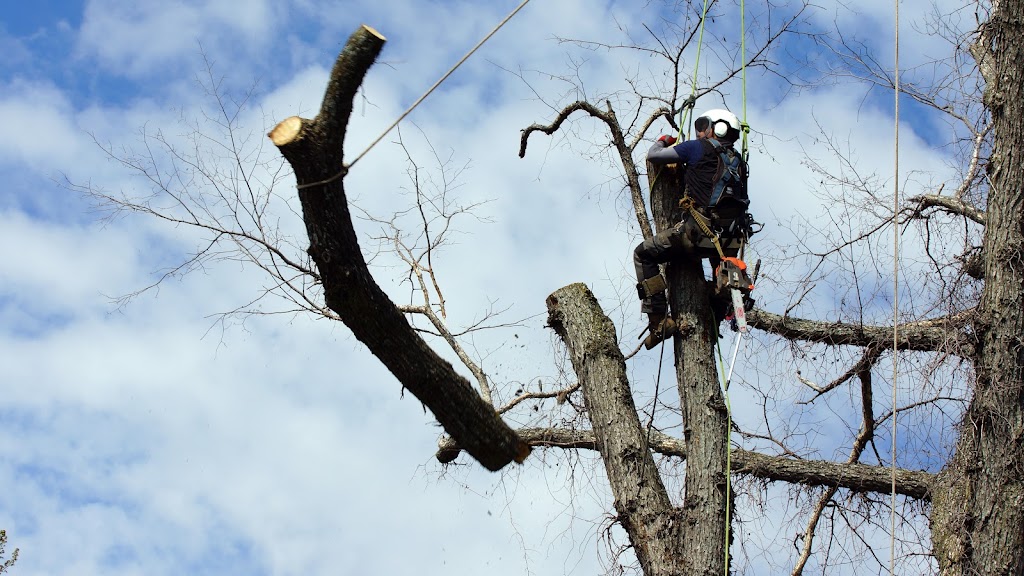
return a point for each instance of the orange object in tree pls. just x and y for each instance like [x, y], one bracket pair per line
[731, 274]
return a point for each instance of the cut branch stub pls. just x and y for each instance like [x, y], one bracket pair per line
[314, 150]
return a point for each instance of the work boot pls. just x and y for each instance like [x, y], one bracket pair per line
[660, 327]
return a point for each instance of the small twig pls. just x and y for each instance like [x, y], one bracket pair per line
[560, 394]
[799, 300]
[866, 362]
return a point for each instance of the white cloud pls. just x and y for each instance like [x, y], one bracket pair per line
[36, 118]
[285, 446]
[151, 38]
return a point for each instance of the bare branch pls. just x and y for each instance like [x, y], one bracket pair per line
[311, 147]
[856, 477]
[561, 395]
[618, 141]
[946, 334]
[866, 362]
[867, 432]
[947, 204]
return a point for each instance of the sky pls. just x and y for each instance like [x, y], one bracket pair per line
[150, 437]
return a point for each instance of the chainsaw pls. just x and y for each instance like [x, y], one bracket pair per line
[731, 280]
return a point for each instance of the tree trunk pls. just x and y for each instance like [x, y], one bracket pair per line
[705, 418]
[978, 515]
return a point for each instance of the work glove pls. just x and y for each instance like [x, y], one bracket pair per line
[668, 140]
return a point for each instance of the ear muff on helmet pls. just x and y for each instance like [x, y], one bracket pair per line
[724, 124]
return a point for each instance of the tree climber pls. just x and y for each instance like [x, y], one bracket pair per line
[715, 191]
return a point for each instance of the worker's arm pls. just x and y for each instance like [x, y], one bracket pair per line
[685, 152]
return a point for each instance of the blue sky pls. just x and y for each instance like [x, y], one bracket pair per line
[151, 439]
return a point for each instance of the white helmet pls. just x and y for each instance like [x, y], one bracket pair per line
[724, 124]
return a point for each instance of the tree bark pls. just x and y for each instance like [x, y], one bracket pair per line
[642, 503]
[855, 477]
[705, 418]
[947, 334]
[978, 516]
[314, 150]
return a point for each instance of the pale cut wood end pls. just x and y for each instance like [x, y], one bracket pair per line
[285, 131]
[374, 32]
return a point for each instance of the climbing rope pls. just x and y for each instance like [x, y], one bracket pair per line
[726, 379]
[745, 153]
[895, 291]
[704, 223]
[686, 113]
[744, 128]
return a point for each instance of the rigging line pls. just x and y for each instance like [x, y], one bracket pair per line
[728, 449]
[745, 128]
[895, 290]
[688, 107]
[724, 379]
[654, 405]
[438, 83]
[657, 392]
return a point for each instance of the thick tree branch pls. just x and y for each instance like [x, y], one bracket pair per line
[947, 204]
[946, 334]
[855, 477]
[314, 149]
[641, 500]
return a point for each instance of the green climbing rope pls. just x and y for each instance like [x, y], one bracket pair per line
[686, 113]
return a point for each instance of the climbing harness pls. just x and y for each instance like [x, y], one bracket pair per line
[733, 238]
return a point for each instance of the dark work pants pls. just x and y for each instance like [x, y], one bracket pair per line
[669, 244]
[684, 240]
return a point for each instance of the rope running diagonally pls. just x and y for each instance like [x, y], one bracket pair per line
[895, 290]
[344, 170]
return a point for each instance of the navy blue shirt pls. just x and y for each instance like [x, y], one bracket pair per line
[700, 159]
[688, 152]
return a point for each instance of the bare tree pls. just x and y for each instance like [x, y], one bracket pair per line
[960, 338]
[955, 326]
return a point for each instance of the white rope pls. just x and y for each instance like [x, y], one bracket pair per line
[438, 83]
[895, 294]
